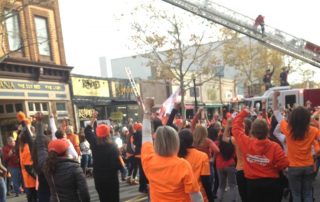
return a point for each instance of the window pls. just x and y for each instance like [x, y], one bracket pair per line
[42, 36]
[61, 107]
[44, 106]
[192, 92]
[18, 107]
[13, 30]
[290, 100]
[1, 109]
[30, 105]
[38, 108]
[9, 108]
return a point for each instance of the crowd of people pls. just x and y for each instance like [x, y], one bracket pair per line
[263, 156]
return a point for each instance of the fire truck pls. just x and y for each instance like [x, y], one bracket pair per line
[287, 99]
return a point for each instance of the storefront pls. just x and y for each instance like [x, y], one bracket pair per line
[123, 100]
[32, 97]
[89, 94]
[114, 99]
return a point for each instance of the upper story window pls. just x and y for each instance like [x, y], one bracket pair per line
[43, 40]
[13, 30]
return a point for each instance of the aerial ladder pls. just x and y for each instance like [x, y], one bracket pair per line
[272, 37]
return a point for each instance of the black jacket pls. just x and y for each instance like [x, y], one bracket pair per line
[68, 183]
[105, 156]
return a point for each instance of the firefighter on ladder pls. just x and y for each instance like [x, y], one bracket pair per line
[259, 21]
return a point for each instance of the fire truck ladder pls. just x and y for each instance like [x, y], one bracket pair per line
[273, 38]
[134, 87]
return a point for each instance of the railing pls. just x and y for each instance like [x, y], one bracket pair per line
[272, 37]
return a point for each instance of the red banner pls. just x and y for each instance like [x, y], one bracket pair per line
[312, 47]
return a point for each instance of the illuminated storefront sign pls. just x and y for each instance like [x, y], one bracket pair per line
[90, 87]
[85, 113]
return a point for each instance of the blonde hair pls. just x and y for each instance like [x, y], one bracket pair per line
[69, 130]
[167, 141]
[199, 135]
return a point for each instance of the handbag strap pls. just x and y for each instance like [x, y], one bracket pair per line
[55, 190]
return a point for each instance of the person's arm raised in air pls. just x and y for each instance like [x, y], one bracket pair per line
[195, 119]
[53, 127]
[238, 130]
[42, 150]
[173, 114]
[88, 131]
[146, 123]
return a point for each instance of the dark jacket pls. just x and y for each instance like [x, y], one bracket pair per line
[68, 182]
[137, 141]
[105, 156]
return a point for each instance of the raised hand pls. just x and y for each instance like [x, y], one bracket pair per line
[148, 103]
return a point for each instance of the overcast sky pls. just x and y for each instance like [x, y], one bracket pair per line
[96, 28]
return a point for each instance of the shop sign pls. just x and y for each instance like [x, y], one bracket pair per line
[123, 90]
[116, 116]
[85, 113]
[90, 87]
[15, 85]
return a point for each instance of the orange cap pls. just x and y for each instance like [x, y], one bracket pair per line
[21, 116]
[102, 130]
[137, 127]
[59, 146]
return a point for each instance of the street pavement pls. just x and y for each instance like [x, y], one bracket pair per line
[131, 194]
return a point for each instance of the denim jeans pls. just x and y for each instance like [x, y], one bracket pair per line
[3, 190]
[228, 173]
[300, 181]
[85, 160]
[16, 178]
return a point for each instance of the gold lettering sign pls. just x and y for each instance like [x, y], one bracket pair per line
[6, 85]
[85, 113]
[90, 87]
[17, 85]
[124, 90]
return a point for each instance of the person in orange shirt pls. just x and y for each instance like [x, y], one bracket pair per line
[300, 140]
[199, 162]
[171, 178]
[74, 139]
[26, 163]
[263, 159]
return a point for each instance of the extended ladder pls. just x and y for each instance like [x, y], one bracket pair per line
[134, 87]
[273, 38]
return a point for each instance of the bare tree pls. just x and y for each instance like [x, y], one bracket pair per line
[176, 51]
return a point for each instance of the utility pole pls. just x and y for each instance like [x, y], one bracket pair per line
[195, 95]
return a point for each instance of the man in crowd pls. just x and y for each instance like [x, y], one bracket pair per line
[11, 159]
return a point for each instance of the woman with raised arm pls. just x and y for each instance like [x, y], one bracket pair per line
[60, 134]
[106, 161]
[301, 139]
[170, 177]
[64, 175]
[226, 164]
[263, 159]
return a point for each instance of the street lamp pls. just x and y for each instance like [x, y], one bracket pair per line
[195, 94]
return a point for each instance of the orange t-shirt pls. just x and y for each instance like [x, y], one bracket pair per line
[200, 164]
[74, 139]
[170, 178]
[26, 160]
[299, 151]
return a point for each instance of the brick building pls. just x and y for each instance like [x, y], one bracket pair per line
[34, 75]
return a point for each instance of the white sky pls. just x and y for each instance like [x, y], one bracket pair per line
[101, 28]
